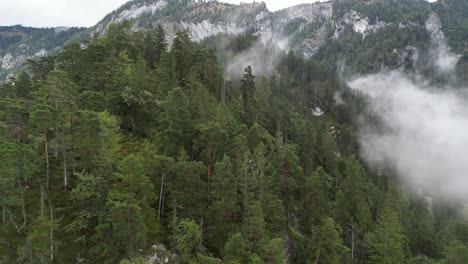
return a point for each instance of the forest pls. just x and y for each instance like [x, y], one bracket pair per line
[125, 148]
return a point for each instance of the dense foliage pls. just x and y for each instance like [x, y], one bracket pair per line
[110, 149]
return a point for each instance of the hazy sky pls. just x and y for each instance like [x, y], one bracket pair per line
[52, 13]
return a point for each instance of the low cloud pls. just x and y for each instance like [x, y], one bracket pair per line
[422, 132]
[263, 59]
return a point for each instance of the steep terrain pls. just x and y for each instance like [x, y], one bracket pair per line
[300, 27]
[135, 144]
[340, 32]
[18, 44]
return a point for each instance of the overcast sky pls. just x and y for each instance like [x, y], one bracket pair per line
[53, 13]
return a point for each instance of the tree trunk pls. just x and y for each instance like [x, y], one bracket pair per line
[209, 176]
[161, 194]
[201, 231]
[174, 209]
[385, 248]
[129, 229]
[223, 92]
[209, 167]
[285, 187]
[72, 147]
[23, 207]
[64, 160]
[245, 193]
[51, 232]
[220, 246]
[42, 200]
[261, 175]
[46, 153]
[3, 209]
[56, 151]
[317, 258]
[352, 241]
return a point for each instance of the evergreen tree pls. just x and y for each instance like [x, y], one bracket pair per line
[247, 91]
[187, 240]
[224, 209]
[352, 204]
[183, 52]
[23, 85]
[329, 246]
[123, 226]
[253, 227]
[235, 250]
[388, 240]
[160, 43]
[174, 124]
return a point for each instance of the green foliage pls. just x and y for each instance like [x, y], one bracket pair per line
[388, 241]
[174, 124]
[329, 246]
[235, 249]
[112, 149]
[274, 252]
[187, 239]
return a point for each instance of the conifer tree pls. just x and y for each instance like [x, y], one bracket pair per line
[388, 241]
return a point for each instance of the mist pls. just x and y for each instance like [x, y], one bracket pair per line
[422, 132]
[263, 58]
[443, 58]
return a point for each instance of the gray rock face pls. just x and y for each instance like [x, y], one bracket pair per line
[358, 22]
[304, 28]
[208, 19]
[444, 59]
[29, 43]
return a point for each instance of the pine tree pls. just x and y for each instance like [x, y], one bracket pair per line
[224, 209]
[187, 240]
[352, 203]
[235, 250]
[183, 52]
[388, 241]
[23, 85]
[253, 227]
[160, 43]
[247, 91]
[127, 214]
[329, 247]
[274, 252]
[174, 125]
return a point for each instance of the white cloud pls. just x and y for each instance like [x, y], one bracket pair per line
[422, 134]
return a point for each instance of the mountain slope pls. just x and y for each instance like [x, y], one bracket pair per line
[346, 33]
[18, 43]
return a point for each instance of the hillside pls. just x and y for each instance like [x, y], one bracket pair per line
[323, 133]
[340, 31]
[18, 44]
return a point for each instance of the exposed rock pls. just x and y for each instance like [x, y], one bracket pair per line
[137, 10]
[204, 29]
[311, 13]
[358, 22]
[444, 59]
[317, 111]
[311, 45]
[161, 255]
[407, 56]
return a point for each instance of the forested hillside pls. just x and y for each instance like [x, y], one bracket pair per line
[122, 150]
[18, 44]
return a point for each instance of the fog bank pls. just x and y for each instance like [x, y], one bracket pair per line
[423, 133]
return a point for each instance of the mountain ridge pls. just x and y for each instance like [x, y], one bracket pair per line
[307, 29]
